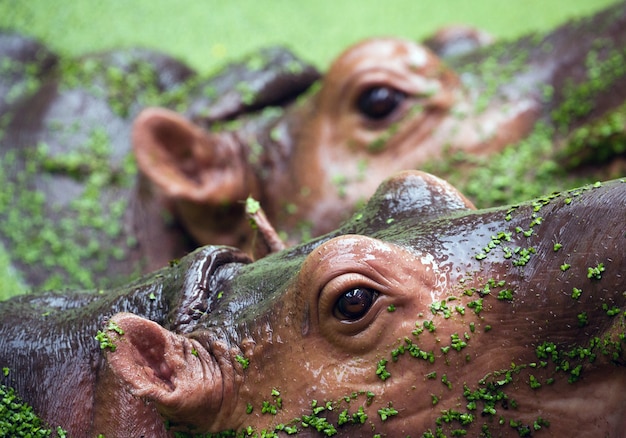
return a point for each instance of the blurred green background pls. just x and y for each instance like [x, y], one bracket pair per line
[208, 34]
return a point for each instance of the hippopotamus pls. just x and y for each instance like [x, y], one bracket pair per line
[420, 317]
[384, 105]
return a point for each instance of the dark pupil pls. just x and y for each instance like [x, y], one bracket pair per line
[355, 303]
[378, 102]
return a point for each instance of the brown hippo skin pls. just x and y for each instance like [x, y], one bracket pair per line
[384, 105]
[418, 317]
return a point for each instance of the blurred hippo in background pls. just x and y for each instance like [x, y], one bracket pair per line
[386, 105]
[419, 317]
[73, 210]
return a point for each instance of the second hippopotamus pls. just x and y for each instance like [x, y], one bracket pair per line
[386, 105]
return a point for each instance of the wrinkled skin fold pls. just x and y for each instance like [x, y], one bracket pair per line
[419, 316]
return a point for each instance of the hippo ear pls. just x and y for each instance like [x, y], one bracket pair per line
[163, 367]
[185, 161]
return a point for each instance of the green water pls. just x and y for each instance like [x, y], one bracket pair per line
[208, 33]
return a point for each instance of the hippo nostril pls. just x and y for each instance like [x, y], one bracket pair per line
[355, 303]
[379, 101]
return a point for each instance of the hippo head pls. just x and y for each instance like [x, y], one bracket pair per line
[383, 106]
[419, 317]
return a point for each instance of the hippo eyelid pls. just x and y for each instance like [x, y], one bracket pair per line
[394, 275]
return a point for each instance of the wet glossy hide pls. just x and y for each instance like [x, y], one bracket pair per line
[420, 315]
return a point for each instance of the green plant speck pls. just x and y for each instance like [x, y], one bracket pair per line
[429, 325]
[595, 272]
[610, 311]
[476, 305]
[387, 412]
[539, 423]
[534, 383]
[445, 381]
[105, 341]
[505, 294]
[359, 417]
[268, 408]
[252, 205]
[245, 362]
[381, 370]
[441, 307]
[114, 327]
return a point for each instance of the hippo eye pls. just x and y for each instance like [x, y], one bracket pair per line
[355, 303]
[380, 101]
